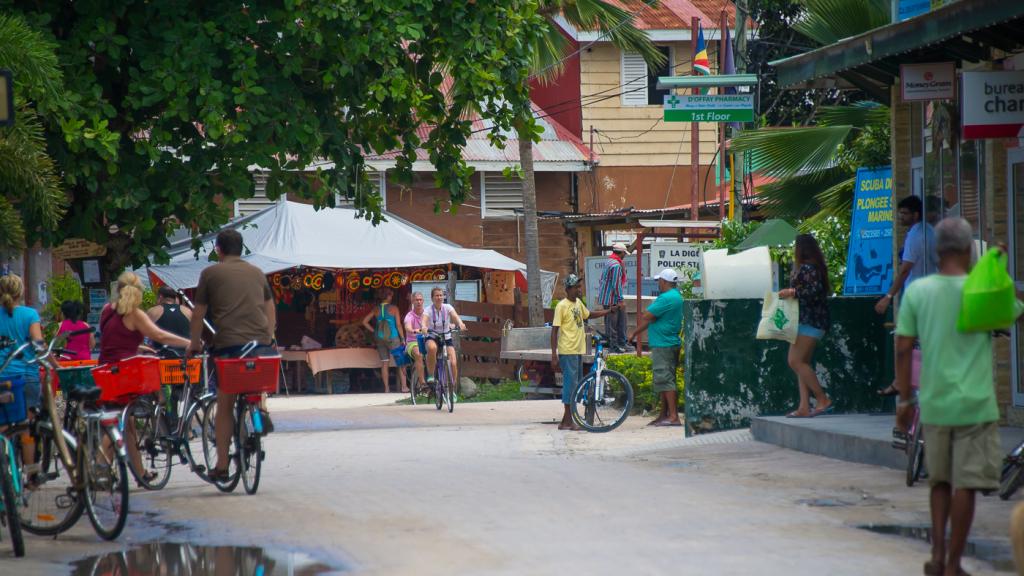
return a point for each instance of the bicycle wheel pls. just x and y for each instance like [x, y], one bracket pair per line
[450, 385]
[10, 517]
[105, 479]
[915, 455]
[250, 449]
[210, 448]
[151, 432]
[1011, 479]
[192, 439]
[412, 380]
[602, 406]
[50, 503]
[439, 394]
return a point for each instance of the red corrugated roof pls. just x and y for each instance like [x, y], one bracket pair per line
[676, 14]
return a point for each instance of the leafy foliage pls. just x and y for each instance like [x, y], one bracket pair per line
[638, 371]
[61, 288]
[174, 101]
[32, 200]
[828, 21]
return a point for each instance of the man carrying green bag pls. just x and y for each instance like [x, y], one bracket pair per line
[989, 298]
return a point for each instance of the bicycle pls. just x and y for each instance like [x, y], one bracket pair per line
[248, 379]
[12, 411]
[912, 441]
[444, 382]
[604, 396]
[172, 428]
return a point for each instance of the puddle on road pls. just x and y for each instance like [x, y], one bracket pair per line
[824, 502]
[177, 559]
[996, 552]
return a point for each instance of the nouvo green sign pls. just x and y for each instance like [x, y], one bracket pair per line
[715, 108]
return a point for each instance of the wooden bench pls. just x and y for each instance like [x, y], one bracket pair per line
[533, 345]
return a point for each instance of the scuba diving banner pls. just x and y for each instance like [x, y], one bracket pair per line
[869, 269]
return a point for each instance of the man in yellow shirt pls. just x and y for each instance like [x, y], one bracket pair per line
[569, 343]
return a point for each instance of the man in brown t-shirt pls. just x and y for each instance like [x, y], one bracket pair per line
[241, 307]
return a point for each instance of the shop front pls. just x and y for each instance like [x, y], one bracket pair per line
[954, 81]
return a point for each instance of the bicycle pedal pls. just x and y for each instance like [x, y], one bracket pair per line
[900, 445]
[899, 434]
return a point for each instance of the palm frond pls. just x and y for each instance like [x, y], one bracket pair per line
[797, 197]
[859, 114]
[828, 21]
[549, 54]
[31, 58]
[12, 233]
[835, 201]
[787, 152]
[614, 23]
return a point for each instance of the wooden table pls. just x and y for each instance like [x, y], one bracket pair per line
[326, 359]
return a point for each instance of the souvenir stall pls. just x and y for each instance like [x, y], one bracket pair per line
[325, 269]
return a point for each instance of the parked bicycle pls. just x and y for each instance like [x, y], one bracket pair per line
[248, 378]
[603, 398]
[912, 441]
[172, 428]
[12, 412]
[1013, 472]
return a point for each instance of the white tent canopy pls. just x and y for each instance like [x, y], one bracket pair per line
[290, 234]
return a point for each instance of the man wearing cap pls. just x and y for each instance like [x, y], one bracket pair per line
[610, 297]
[569, 343]
[663, 320]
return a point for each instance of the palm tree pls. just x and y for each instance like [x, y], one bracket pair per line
[32, 199]
[814, 166]
[549, 53]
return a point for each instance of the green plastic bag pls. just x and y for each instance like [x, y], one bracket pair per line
[989, 299]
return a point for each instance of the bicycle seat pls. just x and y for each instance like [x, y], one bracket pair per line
[85, 394]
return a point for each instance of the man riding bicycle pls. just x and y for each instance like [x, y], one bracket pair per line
[238, 298]
[440, 319]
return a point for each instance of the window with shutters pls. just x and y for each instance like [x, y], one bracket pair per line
[378, 182]
[500, 196]
[634, 79]
[259, 200]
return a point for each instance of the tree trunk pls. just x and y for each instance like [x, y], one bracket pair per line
[535, 300]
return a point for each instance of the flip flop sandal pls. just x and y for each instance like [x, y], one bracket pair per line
[933, 569]
[667, 423]
[826, 410]
[794, 414]
[887, 391]
[218, 475]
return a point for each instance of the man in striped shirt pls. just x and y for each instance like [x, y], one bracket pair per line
[613, 280]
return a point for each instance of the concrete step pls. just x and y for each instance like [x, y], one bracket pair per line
[862, 438]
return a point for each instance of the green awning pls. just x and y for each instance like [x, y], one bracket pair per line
[712, 81]
[964, 31]
[771, 233]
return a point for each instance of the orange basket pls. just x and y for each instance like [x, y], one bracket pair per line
[256, 375]
[172, 374]
[121, 381]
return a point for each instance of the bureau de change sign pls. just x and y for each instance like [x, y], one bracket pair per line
[711, 108]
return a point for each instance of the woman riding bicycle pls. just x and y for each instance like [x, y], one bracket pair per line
[20, 324]
[123, 325]
[440, 318]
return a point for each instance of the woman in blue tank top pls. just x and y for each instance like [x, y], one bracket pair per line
[388, 334]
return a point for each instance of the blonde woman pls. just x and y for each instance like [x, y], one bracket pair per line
[123, 325]
[20, 324]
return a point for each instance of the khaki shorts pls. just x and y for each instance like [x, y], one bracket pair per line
[664, 362]
[966, 457]
[384, 348]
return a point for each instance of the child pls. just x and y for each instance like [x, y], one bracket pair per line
[79, 345]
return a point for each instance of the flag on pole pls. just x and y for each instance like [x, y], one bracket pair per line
[701, 64]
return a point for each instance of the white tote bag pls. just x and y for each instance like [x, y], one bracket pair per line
[779, 318]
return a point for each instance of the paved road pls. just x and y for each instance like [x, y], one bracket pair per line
[496, 489]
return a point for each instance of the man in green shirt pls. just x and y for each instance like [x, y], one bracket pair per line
[957, 396]
[663, 320]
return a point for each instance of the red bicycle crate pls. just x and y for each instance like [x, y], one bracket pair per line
[122, 381]
[248, 375]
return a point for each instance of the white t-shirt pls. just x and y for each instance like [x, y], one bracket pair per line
[440, 321]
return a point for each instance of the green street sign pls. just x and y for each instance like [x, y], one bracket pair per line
[709, 115]
[6, 99]
[709, 108]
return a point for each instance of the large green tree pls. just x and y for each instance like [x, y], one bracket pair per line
[179, 99]
[549, 50]
[32, 200]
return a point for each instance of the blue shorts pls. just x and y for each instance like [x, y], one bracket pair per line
[572, 367]
[33, 390]
[810, 331]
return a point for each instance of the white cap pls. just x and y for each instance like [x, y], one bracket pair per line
[668, 275]
[619, 247]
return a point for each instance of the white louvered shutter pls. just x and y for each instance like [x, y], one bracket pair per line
[259, 199]
[378, 181]
[634, 79]
[501, 195]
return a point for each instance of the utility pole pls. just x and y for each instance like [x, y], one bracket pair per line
[740, 58]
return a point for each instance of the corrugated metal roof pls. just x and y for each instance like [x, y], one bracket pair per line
[676, 14]
[557, 144]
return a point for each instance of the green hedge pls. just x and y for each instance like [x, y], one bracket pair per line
[638, 371]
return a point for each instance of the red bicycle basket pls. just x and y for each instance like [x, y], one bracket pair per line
[248, 375]
[122, 381]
